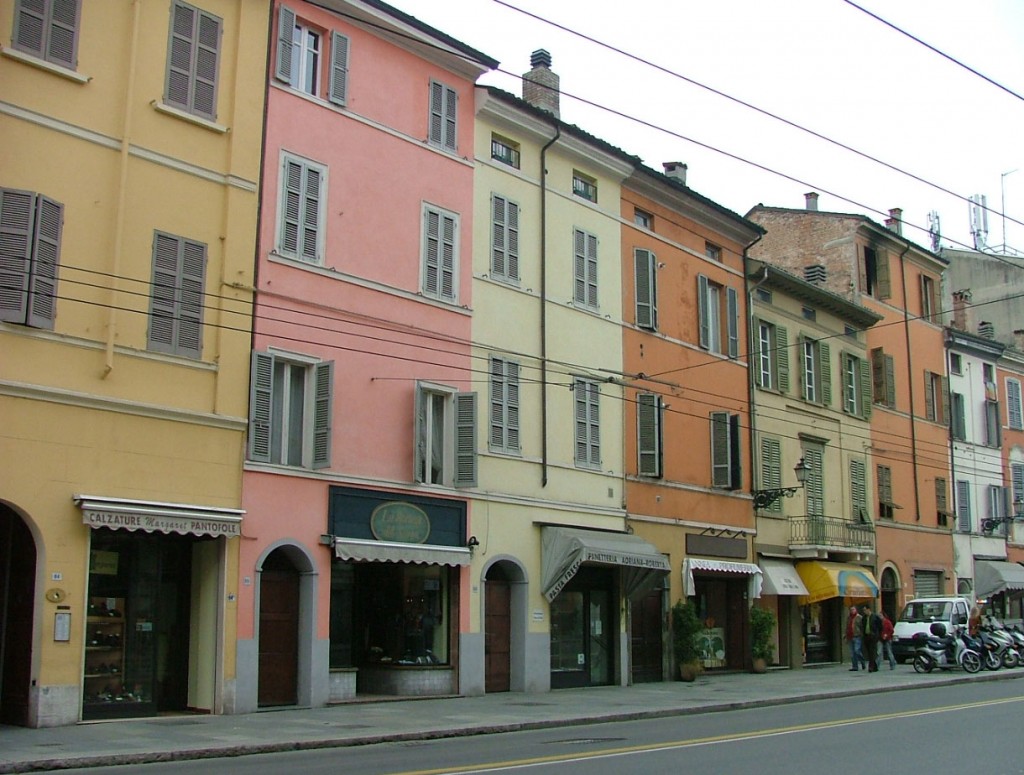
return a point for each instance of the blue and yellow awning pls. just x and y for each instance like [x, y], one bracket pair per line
[826, 580]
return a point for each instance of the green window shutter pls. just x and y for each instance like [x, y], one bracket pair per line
[323, 395]
[825, 372]
[929, 396]
[17, 225]
[802, 371]
[191, 299]
[164, 302]
[865, 389]
[732, 306]
[465, 440]
[646, 309]
[782, 357]
[261, 402]
[337, 91]
[882, 274]
[42, 290]
[285, 50]
[815, 483]
[890, 381]
[771, 470]
[721, 465]
[703, 313]
[648, 412]
[859, 490]
[419, 443]
[944, 387]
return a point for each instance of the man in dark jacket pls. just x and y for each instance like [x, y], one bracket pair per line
[872, 632]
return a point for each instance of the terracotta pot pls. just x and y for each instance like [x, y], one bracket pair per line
[689, 671]
[760, 665]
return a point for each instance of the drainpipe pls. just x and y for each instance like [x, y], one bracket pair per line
[544, 308]
[910, 372]
[749, 290]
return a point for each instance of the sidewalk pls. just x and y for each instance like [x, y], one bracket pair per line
[192, 737]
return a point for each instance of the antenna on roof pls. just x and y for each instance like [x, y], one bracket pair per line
[979, 220]
[934, 230]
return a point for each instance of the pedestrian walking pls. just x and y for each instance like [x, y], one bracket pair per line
[885, 640]
[855, 637]
[872, 630]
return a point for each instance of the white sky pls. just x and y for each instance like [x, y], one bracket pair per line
[822, 64]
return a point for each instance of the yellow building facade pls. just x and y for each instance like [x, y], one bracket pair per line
[128, 176]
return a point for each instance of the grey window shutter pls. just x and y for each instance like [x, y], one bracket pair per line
[30, 25]
[189, 339]
[436, 112]
[1017, 478]
[649, 445]
[579, 266]
[204, 89]
[451, 108]
[865, 389]
[588, 422]
[443, 112]
[179, 59]
[164, 301]
[62, 35]
[782, 357]
[447, 265]
[337, 91]
[261, 402]
[285, 49]
[591, 247]
[499, 236]
[291, 206]
[703, 314]
[192, 60]
[644, 272]
[498, 420]
[941, 501]
[323, 396]
[733, 321]
[825, 372]
[465, 440]
[771, 469]
[17, 225]
[42, 298]
[512, 241]
[963, 506]
[512, 406]
[1014, 409]
[311, 214]
[431, 252]
[720, 445]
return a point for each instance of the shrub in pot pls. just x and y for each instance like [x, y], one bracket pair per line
[762, 625]
[685, 626]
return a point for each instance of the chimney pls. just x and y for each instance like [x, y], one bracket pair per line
[811, 200]
[895, 220]
[675, 170]
[987, 330]
[1018, 339]
[815, 274]
[960, 301]
[540, 85]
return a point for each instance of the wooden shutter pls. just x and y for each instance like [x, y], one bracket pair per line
[732, 307]
[703, 313]
[771, 470]
[164, 301]
[648, 427]
[721, 465]
[859, 490]
[825, 372]
[963, 506]
[890, 380]
[261, 402]
[17, 225]
[432, 252]
[929, 396]
[191, 299]
[285, 49]
[782, 357]
[465, 440]
[862, 270]
[323, 396]
[337, 91]
[883, 477]
[420, 453]
[944, 399]
[864, 376]
[1014, 410]
[42, 290]
[882, 274]
[941, 500]
[646, 293]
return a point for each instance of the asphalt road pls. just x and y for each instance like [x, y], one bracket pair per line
[943, 729]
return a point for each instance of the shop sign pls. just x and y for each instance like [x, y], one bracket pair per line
[400, 522]
[103, 563]
[162, 523]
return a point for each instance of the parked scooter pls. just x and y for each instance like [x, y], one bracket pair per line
[1005, 645]
[945, 652]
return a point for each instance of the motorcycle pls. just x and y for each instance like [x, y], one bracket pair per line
[997, 651]
[945, 652]
[1005, 644]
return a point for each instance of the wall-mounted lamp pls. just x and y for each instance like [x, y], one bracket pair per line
[326, 540]
[765, 498]
[472, 543]
[988, 525]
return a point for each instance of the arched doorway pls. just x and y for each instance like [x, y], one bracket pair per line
[889, 591]
[279, 631]
[17, 596]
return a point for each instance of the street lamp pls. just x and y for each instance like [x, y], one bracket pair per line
[990, 524]
[765, 498]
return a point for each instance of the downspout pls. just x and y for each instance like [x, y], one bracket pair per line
[951, 498]
[544, 308]
[910, 372]
[749, 291]
[126, 131]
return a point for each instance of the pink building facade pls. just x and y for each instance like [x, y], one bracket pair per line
[354, 557]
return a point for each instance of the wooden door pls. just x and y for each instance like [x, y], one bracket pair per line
[646, 638]
[17, 593]
[497, 636]
[279, 637]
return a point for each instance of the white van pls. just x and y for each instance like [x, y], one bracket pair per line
[918, 616]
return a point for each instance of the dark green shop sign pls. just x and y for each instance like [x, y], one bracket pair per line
[399, 522]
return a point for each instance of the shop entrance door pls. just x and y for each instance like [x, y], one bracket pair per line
[646, 638]
[583, 623]
[279, 632]
[497, 635]
[17, 592]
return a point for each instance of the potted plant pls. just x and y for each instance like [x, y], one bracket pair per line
[685, 626]
[762, 625]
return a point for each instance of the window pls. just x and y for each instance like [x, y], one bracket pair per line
[849, 331]
[963, 506]
[958, 416]
[649, 410]
[192, 59]
[504, 150]
[444, 103]
[763, 296]
[942, 513]
[856, 387]
[504, 239]
[712, 251]
[815, 374]
[302, 207]
[643, 220]
[809, 313]
[993, 431]
[936, 398]
[290, 410]
[874, 274]
[772, 356]
[504, 406]
[814, 485]
[997, 506]
[956, 363]
[586, 399]
[300, 58]
[929, 299]
[988, 372]
[176, 307]
[859, 490]
[771, 471]
[440, 253]
[1014, 406]
[30, 233]
[883, 480]
[584, 186]
[48, 29]
[717, 320]
[725, 451]
[445, 436]
[646, 268]
[584, 268]
[883, 378]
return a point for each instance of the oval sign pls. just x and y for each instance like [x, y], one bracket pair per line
[400, 522]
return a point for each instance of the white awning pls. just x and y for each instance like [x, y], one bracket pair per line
[691, 564]
[781, 578]
[994, 576]
[158, 517]
[359, 550]
[565, 549]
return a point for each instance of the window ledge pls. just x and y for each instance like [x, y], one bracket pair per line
[205, 123]
[42, 64]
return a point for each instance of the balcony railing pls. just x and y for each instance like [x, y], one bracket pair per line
[831, 532]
